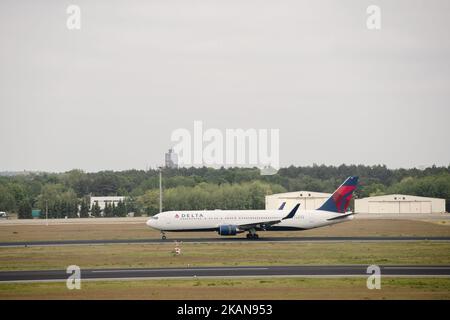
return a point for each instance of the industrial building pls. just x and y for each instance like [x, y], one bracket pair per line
[171, 159]
[102, 201]
[308, 200]
[399, 204]
[388, 204]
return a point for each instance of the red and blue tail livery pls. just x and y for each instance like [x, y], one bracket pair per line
[340, 199]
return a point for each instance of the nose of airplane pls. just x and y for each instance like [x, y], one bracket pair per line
[149, 223]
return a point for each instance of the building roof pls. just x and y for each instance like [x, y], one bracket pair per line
[108, 198]
[397, 197]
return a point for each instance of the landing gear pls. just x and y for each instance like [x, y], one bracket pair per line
[163, 235]
[252, 234]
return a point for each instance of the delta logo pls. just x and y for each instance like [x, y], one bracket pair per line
[177, 215]
[191, 215]
[342, 197]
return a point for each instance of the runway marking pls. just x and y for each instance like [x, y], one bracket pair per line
[413, 268]
[220, 241]
[225, 277]
[178, 270]
[334, 271]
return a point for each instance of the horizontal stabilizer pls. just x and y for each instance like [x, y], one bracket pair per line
[341, 216]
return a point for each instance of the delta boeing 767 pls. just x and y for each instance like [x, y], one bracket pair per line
[232, 222]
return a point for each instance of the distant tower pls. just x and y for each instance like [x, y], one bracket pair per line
[171, 159]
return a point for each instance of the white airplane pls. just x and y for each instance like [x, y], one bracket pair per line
[232, 222]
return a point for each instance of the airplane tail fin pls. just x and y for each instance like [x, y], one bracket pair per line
[282, 206]
[340, 199]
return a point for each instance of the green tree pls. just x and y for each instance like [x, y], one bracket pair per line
[372, 190]
[19, 191]
[95, 210]
[50, 198]
[208, 188]
[76, 180]
[7, 200]
[132, 206]
[24, 210]
[84, 209]
[69, 202]
[108, 210]
[121, 210]
[114, 209]
[149, 202]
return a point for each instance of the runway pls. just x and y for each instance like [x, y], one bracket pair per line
[220, 240]
[223, 272]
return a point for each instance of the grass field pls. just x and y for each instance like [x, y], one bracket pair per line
[243, 288]
[228, 254]
[11, 233]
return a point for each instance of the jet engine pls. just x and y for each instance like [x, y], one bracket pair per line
[228, 230]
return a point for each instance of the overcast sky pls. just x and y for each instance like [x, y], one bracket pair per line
[108, 96]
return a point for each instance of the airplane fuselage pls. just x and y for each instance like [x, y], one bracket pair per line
[211, 220]
[232, 222]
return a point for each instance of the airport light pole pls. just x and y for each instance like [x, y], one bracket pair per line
[46, 212]
[160, 189]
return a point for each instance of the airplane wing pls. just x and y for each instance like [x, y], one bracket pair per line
[269, 223]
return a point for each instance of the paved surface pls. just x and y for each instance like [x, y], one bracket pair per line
[220, 272]
[142, 220]
[221, 240]
[75, 221]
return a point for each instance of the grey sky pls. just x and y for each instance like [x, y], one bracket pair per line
[109, 96]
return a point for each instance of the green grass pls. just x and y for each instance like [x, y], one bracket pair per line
[267, 288]
[101, 229]
[230, 254]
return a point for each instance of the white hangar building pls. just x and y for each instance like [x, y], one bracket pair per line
[399, 204]
[103, 201]
[308, 200]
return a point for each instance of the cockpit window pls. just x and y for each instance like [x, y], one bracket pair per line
[154, 218]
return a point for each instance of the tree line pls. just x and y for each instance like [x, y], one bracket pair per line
[67, 194]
